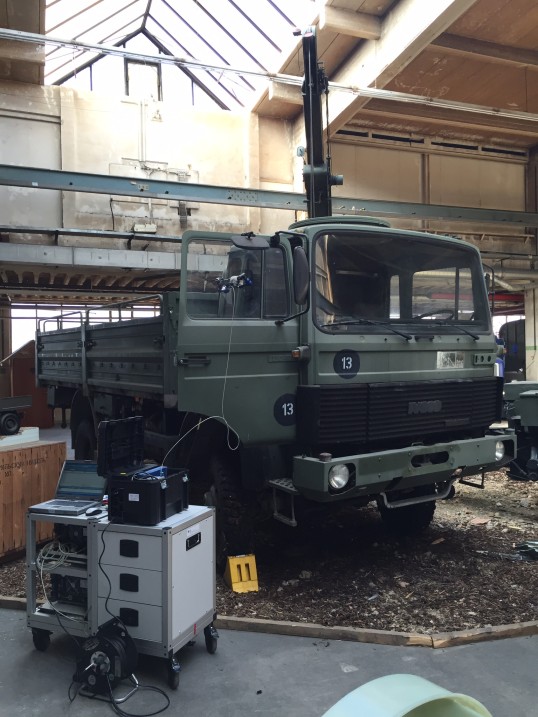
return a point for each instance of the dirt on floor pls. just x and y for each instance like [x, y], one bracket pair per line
[463, 572]
[466, 571]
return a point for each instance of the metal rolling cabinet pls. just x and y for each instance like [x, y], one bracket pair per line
[159, 580]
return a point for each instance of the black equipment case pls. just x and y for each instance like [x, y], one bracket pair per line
[138, 494]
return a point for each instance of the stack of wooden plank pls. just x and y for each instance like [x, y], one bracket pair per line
[29, 471]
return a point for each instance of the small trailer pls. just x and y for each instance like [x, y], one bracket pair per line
[10, 416]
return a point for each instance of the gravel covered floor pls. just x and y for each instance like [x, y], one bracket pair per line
[462, 573]
[455, 576]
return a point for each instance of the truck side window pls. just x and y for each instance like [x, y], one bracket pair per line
[248, 302]
[211, 262]
[206, 262]
[275, 293]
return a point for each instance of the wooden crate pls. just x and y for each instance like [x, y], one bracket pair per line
[28, 475]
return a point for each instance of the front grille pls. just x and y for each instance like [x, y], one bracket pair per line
[332, 414]
[415, 409]
[373, 412]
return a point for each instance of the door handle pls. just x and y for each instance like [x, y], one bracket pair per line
[194, 361]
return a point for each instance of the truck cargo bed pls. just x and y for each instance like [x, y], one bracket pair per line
[119, 357]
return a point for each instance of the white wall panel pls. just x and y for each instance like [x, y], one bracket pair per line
[376, 172]
[27, 141]
[475, 182]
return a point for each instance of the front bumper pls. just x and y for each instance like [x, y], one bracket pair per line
[401, 469]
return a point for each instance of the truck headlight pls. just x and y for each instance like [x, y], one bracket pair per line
[338, 476]
[499, 450]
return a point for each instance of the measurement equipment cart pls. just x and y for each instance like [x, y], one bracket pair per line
[159, 580]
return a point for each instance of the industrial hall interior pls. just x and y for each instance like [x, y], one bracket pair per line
[269, 357]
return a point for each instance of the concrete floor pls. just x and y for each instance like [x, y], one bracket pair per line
[266, 674]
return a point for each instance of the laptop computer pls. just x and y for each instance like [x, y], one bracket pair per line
[79, 489]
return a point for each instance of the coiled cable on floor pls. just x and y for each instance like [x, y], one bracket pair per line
[148, 688]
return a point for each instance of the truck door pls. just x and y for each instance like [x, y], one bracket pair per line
[233, 361]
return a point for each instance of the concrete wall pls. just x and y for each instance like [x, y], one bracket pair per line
[277, 169]
[531, 335]
[425, 175]
[30, 133]
[60, 128]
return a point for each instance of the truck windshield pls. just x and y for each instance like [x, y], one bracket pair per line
[366, 282]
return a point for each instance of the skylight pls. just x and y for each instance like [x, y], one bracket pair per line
[242, 34]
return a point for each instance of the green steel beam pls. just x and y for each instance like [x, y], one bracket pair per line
[205, 193]
[145, 187]
[56, 232]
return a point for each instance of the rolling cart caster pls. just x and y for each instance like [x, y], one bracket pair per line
[211, 636]
[174, 669]
[41, 639]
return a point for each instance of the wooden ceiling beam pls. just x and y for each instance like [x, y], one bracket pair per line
[407, 30]
[16, 51]
[289, 94]
[488, 51]
[442, 115]
[346, 22]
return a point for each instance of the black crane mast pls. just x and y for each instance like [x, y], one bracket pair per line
[317, 169]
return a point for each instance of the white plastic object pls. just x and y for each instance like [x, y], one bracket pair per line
[405, 696]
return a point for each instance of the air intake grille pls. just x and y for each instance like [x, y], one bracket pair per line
[361, 413]
[332, 414]
[425, 408]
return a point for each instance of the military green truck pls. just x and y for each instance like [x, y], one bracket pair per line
[337, 361]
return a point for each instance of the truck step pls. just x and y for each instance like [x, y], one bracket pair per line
[284, 485]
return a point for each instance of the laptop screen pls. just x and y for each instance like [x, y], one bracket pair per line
[79, 479]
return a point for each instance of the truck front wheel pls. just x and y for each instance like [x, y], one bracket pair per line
[408, 520]
[85, 443]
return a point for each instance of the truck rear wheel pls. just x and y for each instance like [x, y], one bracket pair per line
[233, 514]
[408, 520]
[85, 443]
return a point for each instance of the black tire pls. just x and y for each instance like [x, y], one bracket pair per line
[211, 639]
[211, 645]
[41, 639]
[408, 520]
[85, 443]
[233, 509]
[173, 670]
[10, 423]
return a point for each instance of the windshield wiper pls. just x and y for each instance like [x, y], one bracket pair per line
[368, 322]
[456, 326]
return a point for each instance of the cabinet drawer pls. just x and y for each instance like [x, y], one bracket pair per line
[143, 622]
[127, 549]
[127, 583]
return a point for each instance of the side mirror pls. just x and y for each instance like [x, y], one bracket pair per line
[301, 275]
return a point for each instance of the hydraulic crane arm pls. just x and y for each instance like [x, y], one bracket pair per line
[317, 170]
